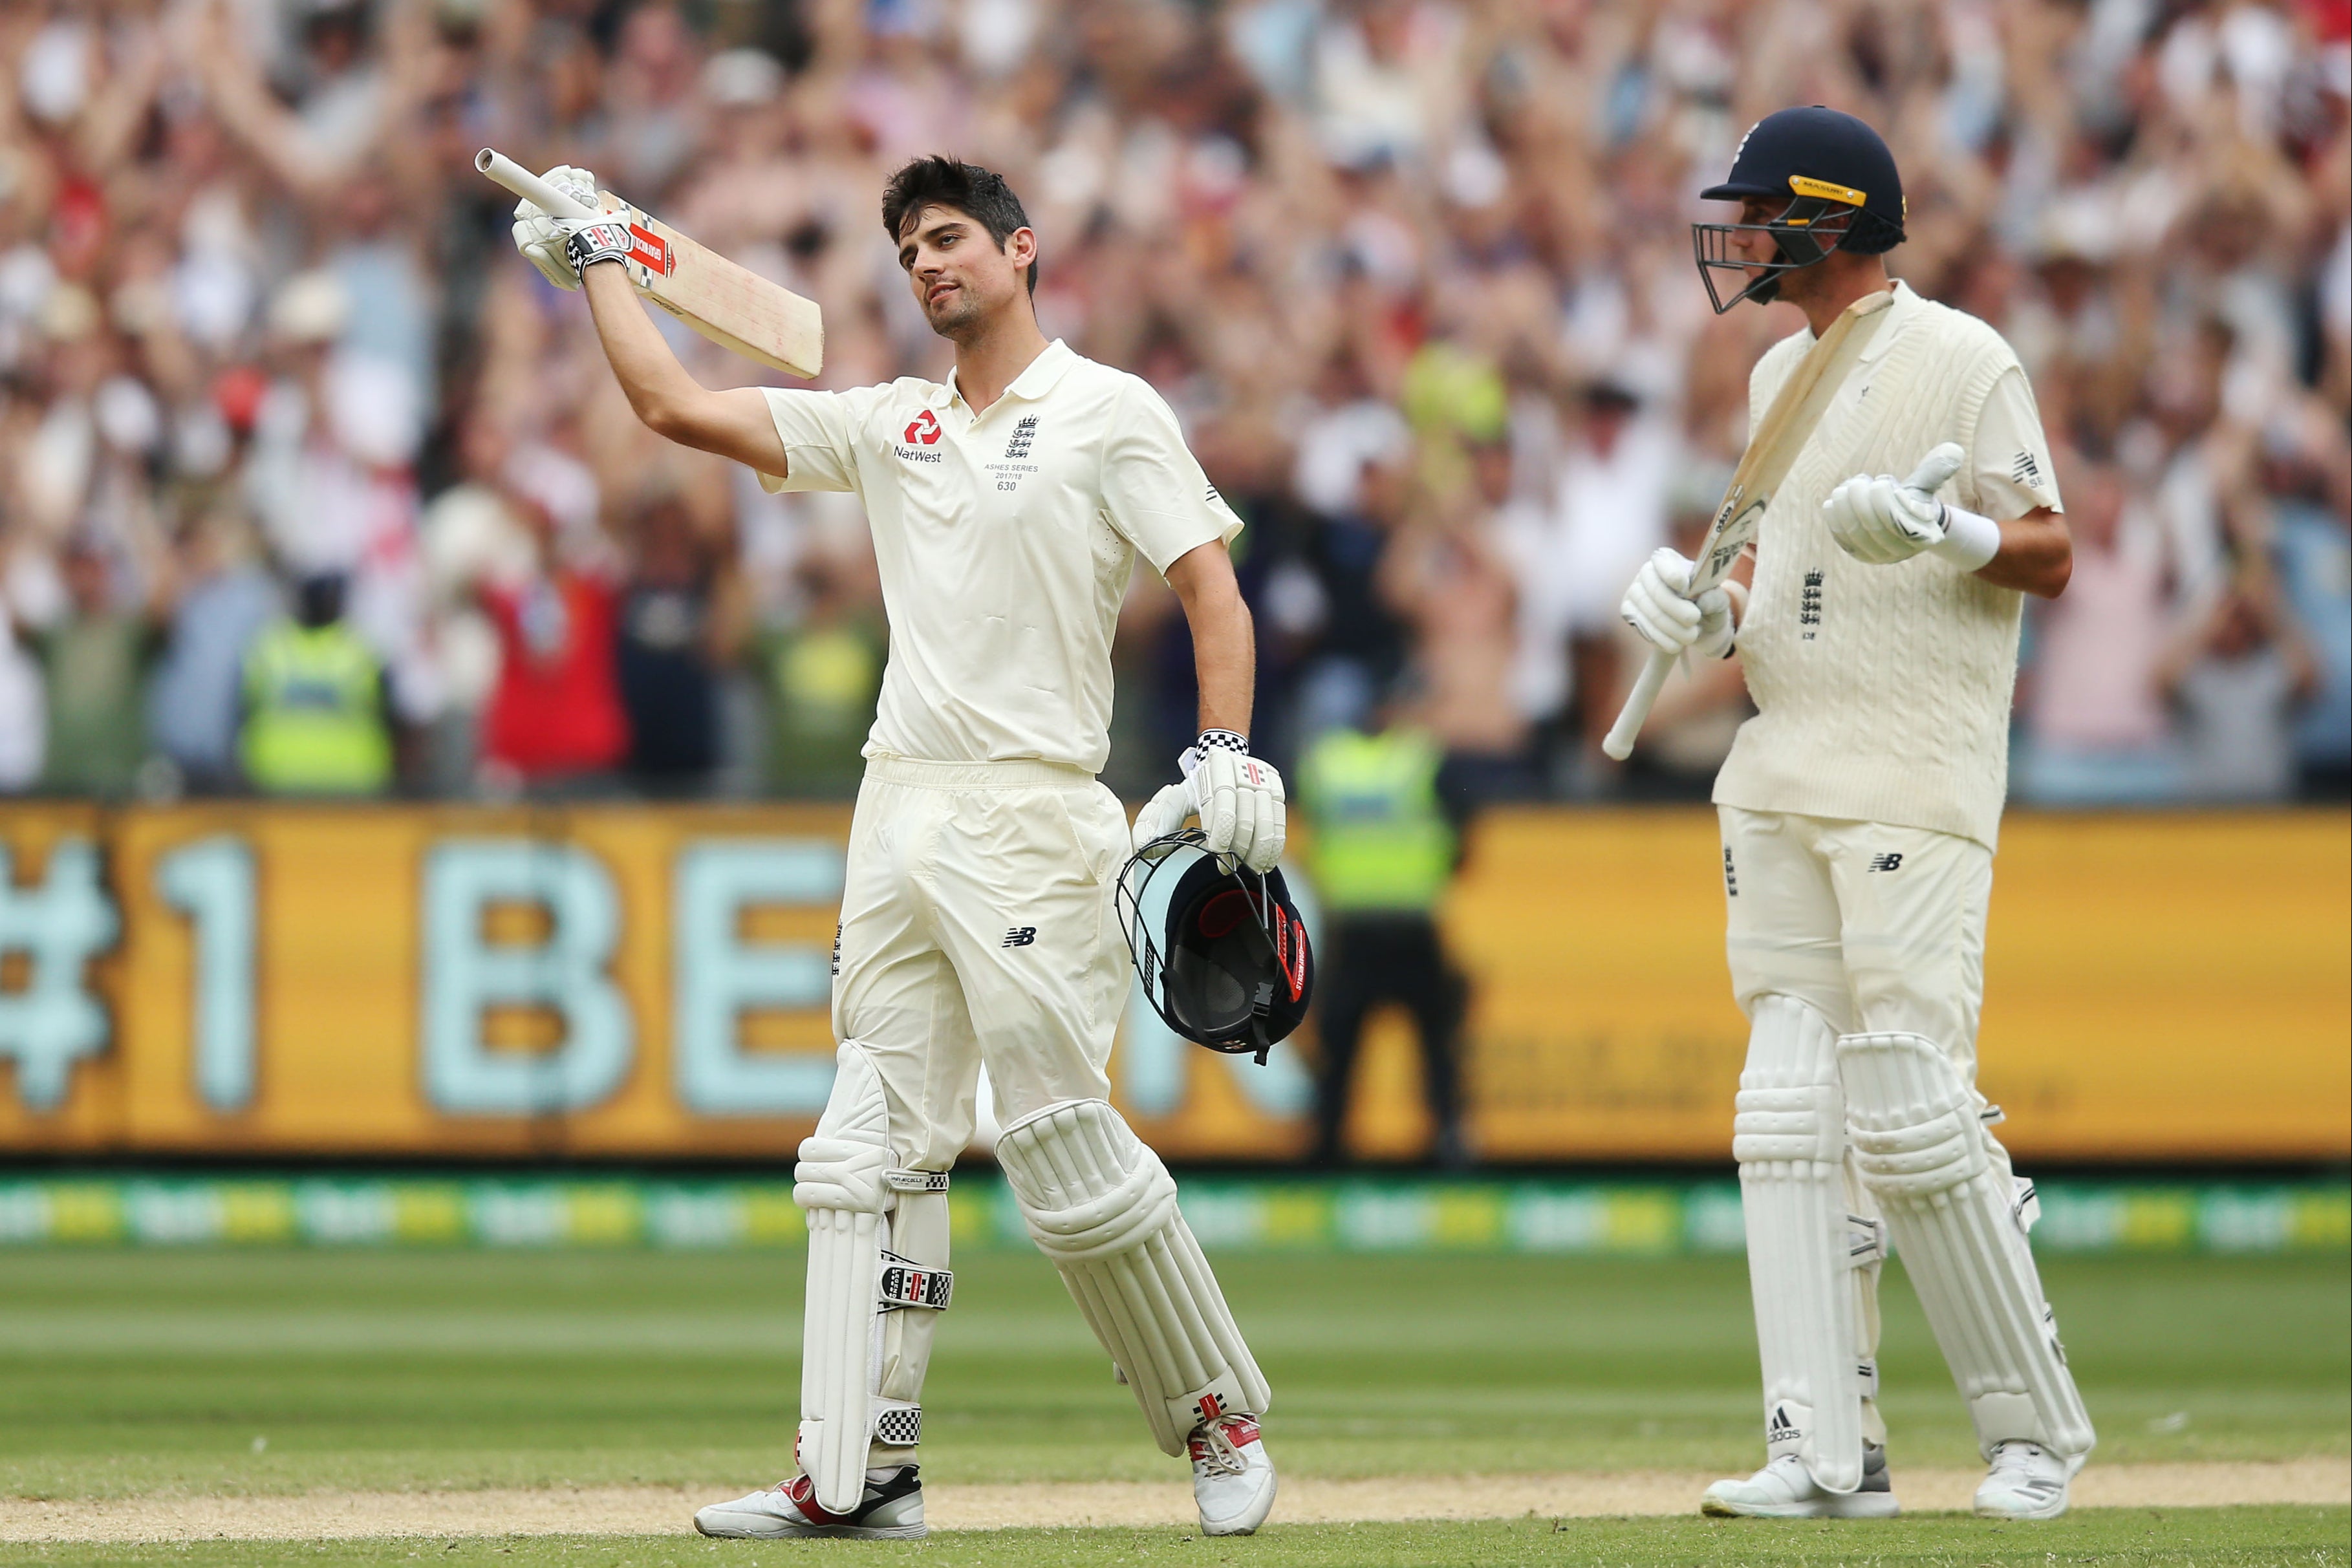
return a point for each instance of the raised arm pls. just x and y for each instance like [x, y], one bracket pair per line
[733, 423]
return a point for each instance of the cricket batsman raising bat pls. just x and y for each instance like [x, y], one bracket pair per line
[978, 921]
[1859, 810]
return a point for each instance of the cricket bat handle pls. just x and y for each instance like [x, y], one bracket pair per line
[1619, 745]
[528, 185]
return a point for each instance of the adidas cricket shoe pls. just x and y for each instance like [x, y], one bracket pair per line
[891, 1509]
[1786, 1489]
[1232, 1479]
[2026, 1482]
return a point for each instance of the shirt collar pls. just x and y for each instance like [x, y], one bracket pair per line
[1897, 312]
[1033, 382]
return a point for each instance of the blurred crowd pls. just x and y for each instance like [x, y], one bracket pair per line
[308, 485]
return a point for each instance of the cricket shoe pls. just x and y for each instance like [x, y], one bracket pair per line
[2026, 1482]
[1232, 1479]
[891, 1509]
[1786, 1489]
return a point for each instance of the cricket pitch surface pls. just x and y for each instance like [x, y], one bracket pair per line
[668, 1510]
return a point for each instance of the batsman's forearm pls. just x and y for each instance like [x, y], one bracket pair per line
[1225, 657]
[657, 386]
[2037, 554]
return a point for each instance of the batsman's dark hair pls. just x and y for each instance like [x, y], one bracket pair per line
[938, 181]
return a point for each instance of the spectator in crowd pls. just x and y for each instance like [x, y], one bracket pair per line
[316, 718]
[554, 723]
[678, 630]
[1383, 853]
[94, 660]
[224, 600]
[821, 676]
[2097, 727]
[1452, 586]
[2235, 677]
[1616, 475]
[24, 724]
[2312, 532]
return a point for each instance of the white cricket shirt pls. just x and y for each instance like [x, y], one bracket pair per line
[1882, 692]
[1005, 540]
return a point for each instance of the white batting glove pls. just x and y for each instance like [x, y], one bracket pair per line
[1239, 798]
[1163, 813]
[1659, 606]
[1882, 520]
[540, 236]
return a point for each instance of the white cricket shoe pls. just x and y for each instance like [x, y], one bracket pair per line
[1786, 1489]
[1232, 1479]
[2026, 1482]
[891, 1509]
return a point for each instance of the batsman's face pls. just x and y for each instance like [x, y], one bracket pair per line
[960, 277]
[1751, 244]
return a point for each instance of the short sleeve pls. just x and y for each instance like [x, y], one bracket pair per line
[2012, 472]
[819, 431]
[1154, 492]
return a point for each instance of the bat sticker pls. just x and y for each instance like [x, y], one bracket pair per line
[650, 251]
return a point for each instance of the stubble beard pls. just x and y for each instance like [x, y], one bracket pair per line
[961, 318]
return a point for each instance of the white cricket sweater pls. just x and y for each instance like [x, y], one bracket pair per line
[1882, 692]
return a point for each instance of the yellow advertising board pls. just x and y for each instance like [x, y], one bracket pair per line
[641, 983]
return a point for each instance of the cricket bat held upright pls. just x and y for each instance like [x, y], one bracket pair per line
[732, 306]
[1771, 454]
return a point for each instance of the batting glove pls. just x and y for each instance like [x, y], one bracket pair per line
[540, 236]
[1660, 607]
[1163, 813]
[1239, 798]
[1882, 520]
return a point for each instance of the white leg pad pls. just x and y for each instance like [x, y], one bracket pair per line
[845, 1185]
[1103, 1208]
[1789, 1136]
[1958, 1219]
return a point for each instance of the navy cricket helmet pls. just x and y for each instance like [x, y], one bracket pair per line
[1220, 948]
[1828, 164]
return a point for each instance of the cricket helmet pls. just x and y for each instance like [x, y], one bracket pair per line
[1829, 164]
[1220, 948]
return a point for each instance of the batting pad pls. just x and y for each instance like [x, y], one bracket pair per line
[1952, 1208]
[845, 1186]
[1102, 1206]
[1789, 1136]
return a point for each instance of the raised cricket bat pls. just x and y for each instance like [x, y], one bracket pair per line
[732, 306]
[1769, 455]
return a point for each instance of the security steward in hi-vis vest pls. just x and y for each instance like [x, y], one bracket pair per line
[314, 704]
[1383, 853]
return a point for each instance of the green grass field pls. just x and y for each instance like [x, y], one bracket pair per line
[125, 1372]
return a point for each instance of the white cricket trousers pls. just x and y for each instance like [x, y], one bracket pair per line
[1877, 928]
[977, 926]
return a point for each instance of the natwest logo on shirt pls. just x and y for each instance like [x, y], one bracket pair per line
[924, 429]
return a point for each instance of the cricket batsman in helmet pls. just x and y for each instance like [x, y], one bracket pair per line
[1877, 625]
[979, 920]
